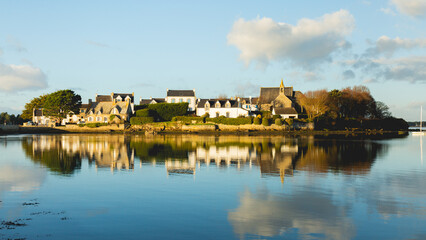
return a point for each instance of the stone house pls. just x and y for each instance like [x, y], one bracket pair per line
[280, 100]
[119, 104]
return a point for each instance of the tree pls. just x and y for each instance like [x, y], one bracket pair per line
[314, 102]
[38, 102]
[57, 104]
[60, 103]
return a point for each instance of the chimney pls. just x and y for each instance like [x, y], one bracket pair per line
[133, 94]
[90, 100]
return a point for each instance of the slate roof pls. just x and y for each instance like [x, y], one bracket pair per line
[180, 93]
[269, 94]
[148, 101]
[285, 111]
[124, 95]
[107, 107]
[212, 102]
[103, 98]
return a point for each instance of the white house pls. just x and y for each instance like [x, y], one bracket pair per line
[285, 112]
[221, 107]
[180, 96]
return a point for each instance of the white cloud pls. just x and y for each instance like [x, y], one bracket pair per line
[388, 46]
[306, 44]
[410, 69]
[414, 8]
[21, 77]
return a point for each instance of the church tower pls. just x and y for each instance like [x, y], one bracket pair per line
[282, 87]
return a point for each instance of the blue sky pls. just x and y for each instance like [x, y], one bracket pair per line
[216, 47]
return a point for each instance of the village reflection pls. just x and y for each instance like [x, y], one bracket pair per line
[184, 154]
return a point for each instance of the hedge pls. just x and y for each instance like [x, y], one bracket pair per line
[93, 125]
[141, 120]
[166, 111]
[145, 113]
[231, 121]
[188, 119]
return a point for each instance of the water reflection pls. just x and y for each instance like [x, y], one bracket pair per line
[64, 153]
[274, 156]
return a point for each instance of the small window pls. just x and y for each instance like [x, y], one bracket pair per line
[82, 110]
[217, 105]
[189, 101]
[173, 100]
[98, 119]
[180, 100]
[90, 119]
[207, 106]
[227, 114]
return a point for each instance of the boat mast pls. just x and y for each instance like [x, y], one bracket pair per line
[421, 117]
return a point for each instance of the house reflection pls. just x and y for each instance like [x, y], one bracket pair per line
[272, 155]
[64, 153]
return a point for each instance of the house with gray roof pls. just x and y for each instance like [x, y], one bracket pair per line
[280, 100]
[179, 96]
[230, 108]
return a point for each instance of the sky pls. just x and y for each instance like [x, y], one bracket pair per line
[215, 47]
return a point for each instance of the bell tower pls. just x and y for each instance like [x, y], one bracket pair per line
[282, 87]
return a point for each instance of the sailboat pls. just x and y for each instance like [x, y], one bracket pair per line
[421, 133]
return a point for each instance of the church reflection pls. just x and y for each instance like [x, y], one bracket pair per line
[185, 154]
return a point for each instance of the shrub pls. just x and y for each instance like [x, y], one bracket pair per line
[230, 121]
[289, 121]
[265, 121]
[266, 114]
[166, 111]
[145, 113]
[256, 121]
[141, 120]
[278, 122]
[111, 117]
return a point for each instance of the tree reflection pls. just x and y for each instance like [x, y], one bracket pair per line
[48, 151]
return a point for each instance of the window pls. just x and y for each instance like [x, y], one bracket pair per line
[227, 114]
[180, 100]
[82, 110]
[207, 106]
[114, 111]
[189, 101]
[98, 119]
[217, 114]
[228, 105]
[90, 119]
[217, 105]
[105, 119]
[173, 100]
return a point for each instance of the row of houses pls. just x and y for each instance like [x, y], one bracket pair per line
[118, 107]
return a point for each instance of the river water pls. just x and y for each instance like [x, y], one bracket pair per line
[210, 187]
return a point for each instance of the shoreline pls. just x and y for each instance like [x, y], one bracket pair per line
[268, 131]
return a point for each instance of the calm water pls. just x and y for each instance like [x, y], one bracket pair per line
[206, 187]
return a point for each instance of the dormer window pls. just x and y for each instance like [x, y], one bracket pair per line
[228, 105]
[217, 105]
[119, 99]
[207, 106]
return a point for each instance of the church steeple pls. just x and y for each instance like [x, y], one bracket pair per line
[282, 86]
